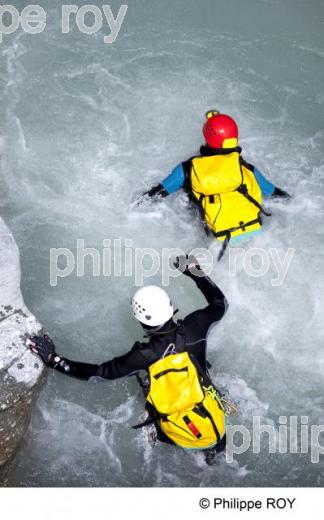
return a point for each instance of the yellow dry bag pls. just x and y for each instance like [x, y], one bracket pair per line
[228, 194]
[183, 401]
[191, 414]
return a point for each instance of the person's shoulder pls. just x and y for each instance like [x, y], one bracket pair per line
[194, 324]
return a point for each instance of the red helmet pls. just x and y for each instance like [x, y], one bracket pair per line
[220, 130]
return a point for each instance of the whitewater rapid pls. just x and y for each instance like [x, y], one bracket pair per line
[84, 127]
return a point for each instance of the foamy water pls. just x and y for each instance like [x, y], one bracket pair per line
[84, 127]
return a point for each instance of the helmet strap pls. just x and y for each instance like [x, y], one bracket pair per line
[157, 331]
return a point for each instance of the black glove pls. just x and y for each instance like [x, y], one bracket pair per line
[278, 193]
[156, 191]
[43, 346]
[188, 265]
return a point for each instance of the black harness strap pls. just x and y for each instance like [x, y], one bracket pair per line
[227, 234]
[224, 246]
[213, 423]
[202, 213]
[242, 226]
[244, 191]
[200, 410]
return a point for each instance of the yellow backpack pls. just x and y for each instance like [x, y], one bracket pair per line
[227, 194]
[184, 402]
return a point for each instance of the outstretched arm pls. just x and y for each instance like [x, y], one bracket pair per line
[171, 184]
[268, 188]
[121, 366]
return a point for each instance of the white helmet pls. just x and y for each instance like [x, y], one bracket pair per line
[152, 306]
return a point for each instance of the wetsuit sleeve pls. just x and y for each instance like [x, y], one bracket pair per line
[201, 320]
[266, 187]
[175, 180]
[118, 367]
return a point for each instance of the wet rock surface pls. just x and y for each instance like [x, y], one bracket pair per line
[21, 372]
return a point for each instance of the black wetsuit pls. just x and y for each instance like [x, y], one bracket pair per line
[196, 328]
[196, 325]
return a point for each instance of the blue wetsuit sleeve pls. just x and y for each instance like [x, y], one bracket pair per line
[175, 180]
[266, 186]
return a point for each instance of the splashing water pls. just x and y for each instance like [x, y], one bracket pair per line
[85, 126]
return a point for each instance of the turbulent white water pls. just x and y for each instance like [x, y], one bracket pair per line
[86, 125]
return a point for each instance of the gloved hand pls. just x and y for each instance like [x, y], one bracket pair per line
[278, 193]
[43, 346]
[156, 191]
[188, 265]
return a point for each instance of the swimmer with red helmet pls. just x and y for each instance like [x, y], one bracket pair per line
[227, 190]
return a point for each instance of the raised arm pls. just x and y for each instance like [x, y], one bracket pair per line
[217, 303]
[199, 323]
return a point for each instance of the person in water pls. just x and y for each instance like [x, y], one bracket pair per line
[227, 190]
[153, 309]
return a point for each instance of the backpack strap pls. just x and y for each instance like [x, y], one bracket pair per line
[204, 413]
[202, 213]
[244, 191]
[225, 245]
[227, 233]
[210, 417]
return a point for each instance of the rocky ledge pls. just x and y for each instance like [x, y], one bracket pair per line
[21, 372]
